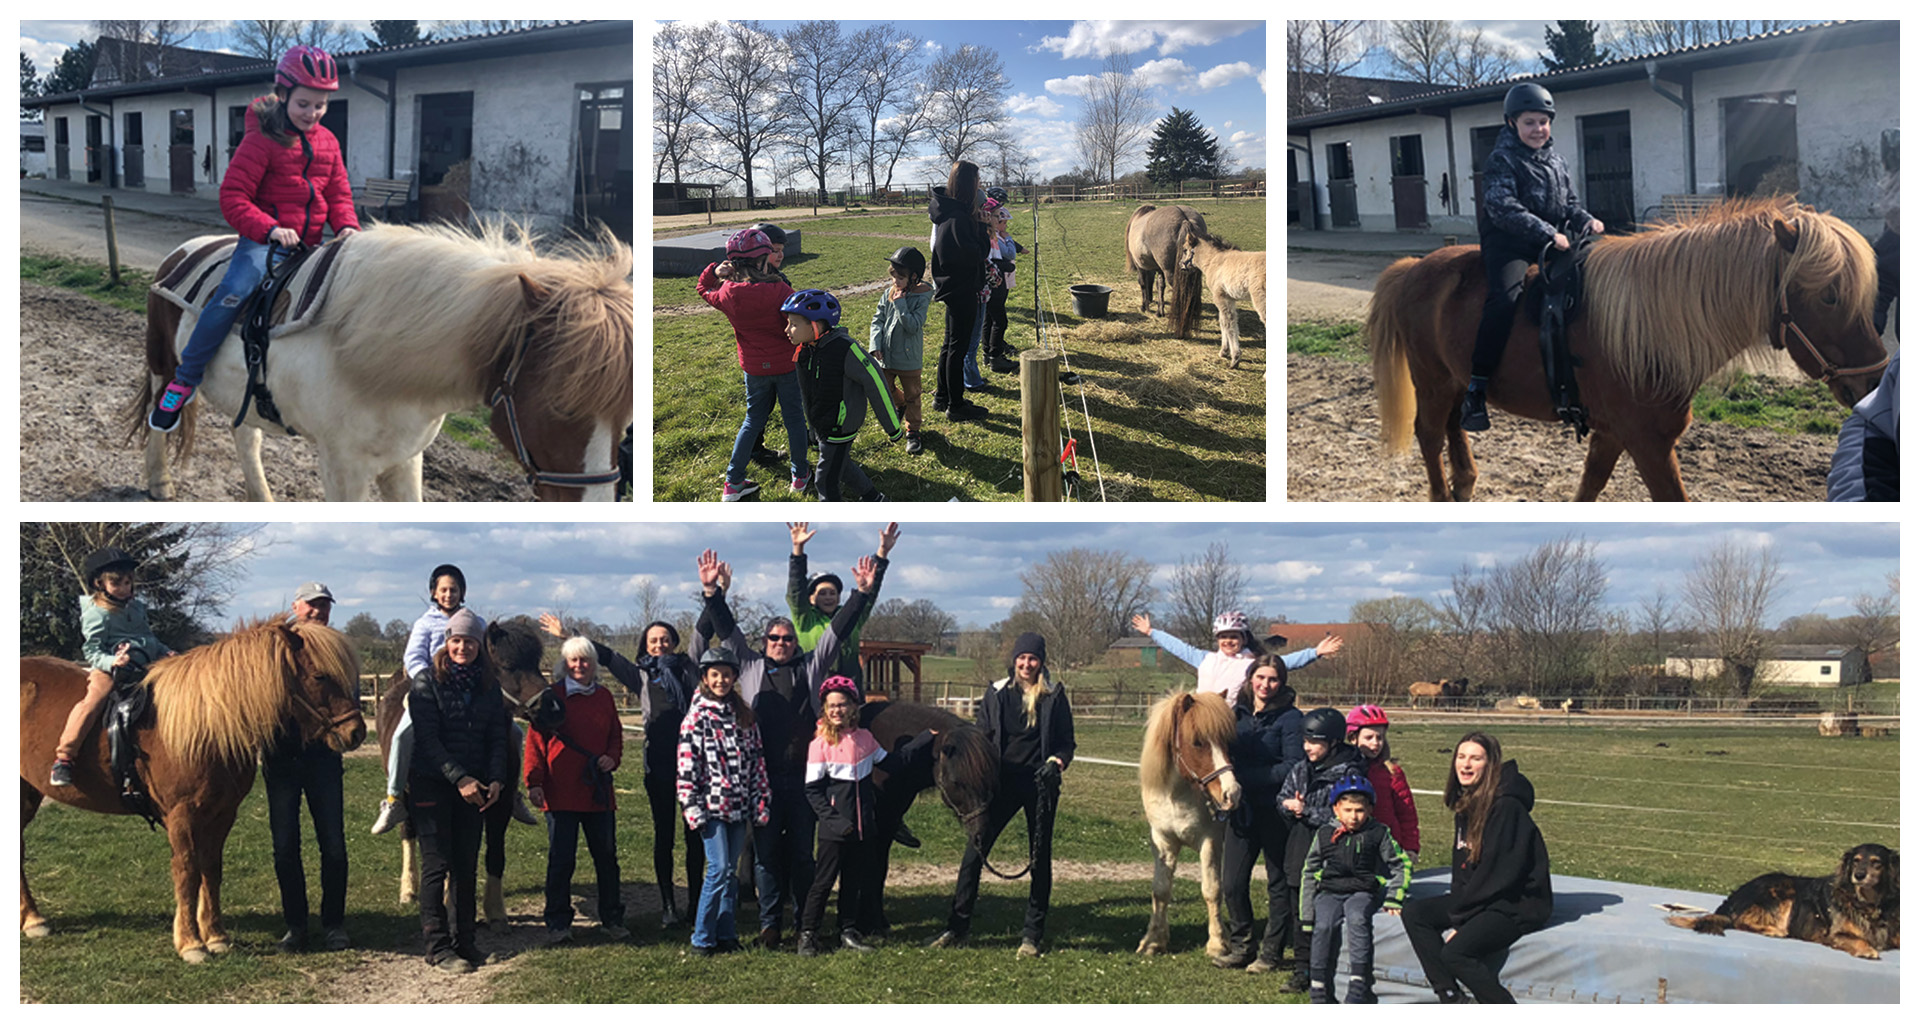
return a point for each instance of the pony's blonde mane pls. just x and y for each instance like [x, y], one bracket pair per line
[225, 701]
[1673, 306]
[451, 330]
[1211, 720]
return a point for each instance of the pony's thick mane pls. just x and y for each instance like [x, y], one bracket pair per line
[973, 760]
[453, 328]
[225, 701]
[1210, 721]
[1672, 306]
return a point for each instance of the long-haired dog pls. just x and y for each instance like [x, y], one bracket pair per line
[1855, 910]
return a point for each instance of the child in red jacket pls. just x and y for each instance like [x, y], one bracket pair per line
[1393, 801]
[748, 289]
[285, 183]
[570, 765]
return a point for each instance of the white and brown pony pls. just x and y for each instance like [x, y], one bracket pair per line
[1232, 276]
[420, 322]
[1187, 787]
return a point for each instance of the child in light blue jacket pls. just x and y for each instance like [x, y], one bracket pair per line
[895, 336]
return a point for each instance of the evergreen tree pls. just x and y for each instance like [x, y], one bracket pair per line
[396, 33]
[1181, 149]
[29, 85]
[1573, 46]
[73, 72]
[51, 559]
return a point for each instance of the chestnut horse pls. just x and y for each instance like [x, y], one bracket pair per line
[1665, 310]
[515, 649]
[1187, 787]
[214, 709]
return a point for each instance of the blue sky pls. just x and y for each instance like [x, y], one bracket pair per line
[1308, 572]
[1215, 68]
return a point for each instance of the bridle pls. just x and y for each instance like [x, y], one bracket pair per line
[1199, 781]
[503, 395]
[1783, 322]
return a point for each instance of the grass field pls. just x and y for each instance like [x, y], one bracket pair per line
[1170, 421]
[1694, 808]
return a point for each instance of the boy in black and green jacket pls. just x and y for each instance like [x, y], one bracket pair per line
[1353, 869]
[838, 381]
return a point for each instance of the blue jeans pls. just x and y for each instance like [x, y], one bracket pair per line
[244, 274]
[720, 888]
[971, 377]
[761, 393]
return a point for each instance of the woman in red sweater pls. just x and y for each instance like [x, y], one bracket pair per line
[570, 765]
[285, 183]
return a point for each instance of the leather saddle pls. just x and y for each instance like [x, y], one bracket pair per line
[1553, 300]
[129, 704]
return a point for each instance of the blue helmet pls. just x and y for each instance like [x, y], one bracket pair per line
[1350, 784]
[813, 304]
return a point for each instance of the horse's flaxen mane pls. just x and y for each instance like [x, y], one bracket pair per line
[1209, 720]
[1674, 305]
[454, 328]
[224, 701]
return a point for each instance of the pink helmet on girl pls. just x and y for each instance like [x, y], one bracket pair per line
[748, 243]
[1366, 716]
[309, 66]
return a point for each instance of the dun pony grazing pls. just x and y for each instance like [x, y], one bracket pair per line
[1665, 311]
[416, 323]
[214, 709]
[1153, 250]
[1428, 692]
[1187, 787]
[515, 650]
[1855, 910]
[1232, 275]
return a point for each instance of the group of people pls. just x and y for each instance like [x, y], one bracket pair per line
[793, 350]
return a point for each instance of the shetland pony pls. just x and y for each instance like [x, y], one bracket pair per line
[1153, 251]
[1187, 787]
[421, 322]
[214, 709]
[1231, 275]
[1666, 310]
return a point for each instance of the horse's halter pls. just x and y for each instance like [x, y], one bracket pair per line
[503, 394]
[1199, 781]
[1783, 322]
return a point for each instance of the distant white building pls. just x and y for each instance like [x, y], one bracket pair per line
[1817, 105]
[1790, 665]
[33, 149]
[533, 123]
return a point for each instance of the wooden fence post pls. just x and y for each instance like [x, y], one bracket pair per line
[113, 243]
[1040, 425]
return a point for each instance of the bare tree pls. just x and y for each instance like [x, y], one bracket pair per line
[267, 39]
[1012, 164]
[1546, 612]
[142, 56]
[1479, 59]
[485, 26]
[1319, 54]
[1115, 114]
[1384, 659]
[1875, 625]
[1423, 50]
[1082, 598]
[919, 621]
[679, 51]
[1202, 587]
[888, 63]
[744, 115]
[966, 100]
[1639, 37]
[1730, 592]
[819, 92]
[1464, 615]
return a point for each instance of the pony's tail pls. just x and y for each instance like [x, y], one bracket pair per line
[163, 322]
[1387, 329]
[1706, 924]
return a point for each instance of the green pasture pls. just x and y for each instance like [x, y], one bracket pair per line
[1695, 808]
[1170, 421]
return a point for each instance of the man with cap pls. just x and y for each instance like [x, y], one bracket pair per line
[782, 685]
[292, 769]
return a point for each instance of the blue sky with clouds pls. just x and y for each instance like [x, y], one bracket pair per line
[1310, 572]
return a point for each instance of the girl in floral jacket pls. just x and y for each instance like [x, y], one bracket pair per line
[722, 786]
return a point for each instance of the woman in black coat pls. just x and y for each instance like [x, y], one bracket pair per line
[1502, 886]
[959, 269]
[461, 761]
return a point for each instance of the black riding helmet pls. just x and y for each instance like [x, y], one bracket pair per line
[107, 559]
[997, 192]
[1324, 724]
[718, 656]
[1528, 96]
[447, 569]
[775, 233]
[909, 259]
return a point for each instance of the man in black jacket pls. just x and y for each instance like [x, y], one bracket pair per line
[290, 770]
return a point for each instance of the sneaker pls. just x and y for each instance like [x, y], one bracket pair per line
[391, 815]
[854, 941]
[1473, 411]
[521, 812]
[706, 950]
[801, 483]
[166, 412]
[1029, 950]
[1263, 966]
[616, 932]
[734, 492]
[809, 944]
[1232, 961]
[876, 496]
[293, 942]
[669, 918]
[948, 939]
[335, 940]
[914, 447]
[968, 411]
[63, 773]
[454, 964]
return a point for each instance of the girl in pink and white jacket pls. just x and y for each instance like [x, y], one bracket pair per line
[840, 765]
[1225, 670]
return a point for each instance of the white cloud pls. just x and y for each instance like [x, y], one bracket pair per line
[1263, 79]
[1297, 572]
[1226, 124]
[1223, 74]
[1073, 85]
[1166, 71]
[1021, 103]
[1394, 579]
[1100, 38]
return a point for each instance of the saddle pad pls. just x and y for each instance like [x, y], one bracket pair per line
[193, 280]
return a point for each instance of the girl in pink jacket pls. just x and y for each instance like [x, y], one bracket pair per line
[749, 291]
[285, 183]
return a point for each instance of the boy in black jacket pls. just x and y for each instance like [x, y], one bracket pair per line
[1304, 802]
[1353, 868]
[838, 381]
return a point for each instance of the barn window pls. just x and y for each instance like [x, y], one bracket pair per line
[1826, 670]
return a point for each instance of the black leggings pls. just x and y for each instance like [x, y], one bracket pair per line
[667, 824]
[1471, 958]
[1506, 267]
[962, 311]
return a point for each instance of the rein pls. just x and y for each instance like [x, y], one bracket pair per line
[503, 394]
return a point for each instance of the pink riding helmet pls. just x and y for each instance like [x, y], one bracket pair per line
[1366, 716]
[748, 243]
[309, 66]
[841, 683]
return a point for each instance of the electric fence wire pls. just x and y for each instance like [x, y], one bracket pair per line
[1047, 330]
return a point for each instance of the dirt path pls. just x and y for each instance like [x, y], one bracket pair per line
[78, 363]
[1331, 286]
[1334, 454]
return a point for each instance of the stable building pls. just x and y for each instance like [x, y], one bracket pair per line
[1787, 665]
[1813, 110]
[534, 124]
